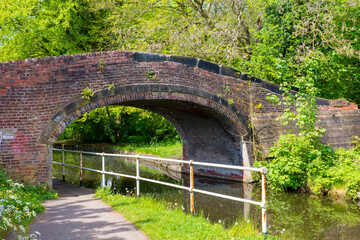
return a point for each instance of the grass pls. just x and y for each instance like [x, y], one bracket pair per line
[161, 220]
[19, 205]
[169, 149]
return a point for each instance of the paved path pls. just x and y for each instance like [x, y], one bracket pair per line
[77, 215]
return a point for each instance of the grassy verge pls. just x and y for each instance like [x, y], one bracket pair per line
[170, 149]
[19, 205]
[158, 220]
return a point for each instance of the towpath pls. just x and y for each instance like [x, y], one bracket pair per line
[77, 215]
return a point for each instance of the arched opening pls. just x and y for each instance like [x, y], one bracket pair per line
[211, 129]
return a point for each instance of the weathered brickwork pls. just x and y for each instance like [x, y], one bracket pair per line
[206, 102]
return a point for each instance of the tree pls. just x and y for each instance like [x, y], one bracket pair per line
[217, 30]
[36, 28]
[312, 39]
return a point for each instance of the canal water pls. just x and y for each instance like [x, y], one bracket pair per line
[302, 216]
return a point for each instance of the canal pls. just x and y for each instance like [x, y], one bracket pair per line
[300, 215]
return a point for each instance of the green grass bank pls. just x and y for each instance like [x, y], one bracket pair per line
[162, 220]
[166, 149]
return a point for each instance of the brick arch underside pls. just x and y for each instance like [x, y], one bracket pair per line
[211, 131]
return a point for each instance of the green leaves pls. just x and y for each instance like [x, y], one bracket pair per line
[117, 124]
[298, 162]
[87, 93]
[34, 28]
[19, 205]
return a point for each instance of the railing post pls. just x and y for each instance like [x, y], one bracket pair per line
[137, 177]
[192, 206]
[263, 200]
[63, 162]
[81, 170]
[103, 168]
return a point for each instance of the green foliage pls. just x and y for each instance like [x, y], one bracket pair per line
[87, 94]
[150, 74]
[320, 37]
[35, 28]
[111, 87]
[300, 106]
[296, 161]
[356, 143]
[345, 173]
[166, 149]
[102, 66]
[118, 124]
[19, 204]
[215, 30]
[299, 163]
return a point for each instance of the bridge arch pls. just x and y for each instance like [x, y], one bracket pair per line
[166, 100]
[210, 128]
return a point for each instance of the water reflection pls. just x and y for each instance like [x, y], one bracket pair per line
[303, 216]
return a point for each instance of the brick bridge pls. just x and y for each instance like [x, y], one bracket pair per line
[209, 105]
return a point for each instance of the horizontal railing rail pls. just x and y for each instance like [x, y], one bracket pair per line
[191, 188]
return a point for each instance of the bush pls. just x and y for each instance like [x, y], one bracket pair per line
[19, 204]
[298, 162]
[346, 172]
[295, 159]
[356, 143]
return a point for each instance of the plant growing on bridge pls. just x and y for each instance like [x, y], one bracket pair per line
[111, 87]
[150, 74]
[102, 66]
[87, 94]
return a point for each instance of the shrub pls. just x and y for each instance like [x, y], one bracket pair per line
[87, 93]
[295, 160]
[19, 204]
[356, 143]
[346, 171]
